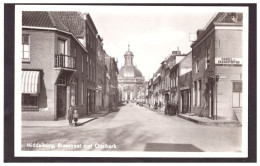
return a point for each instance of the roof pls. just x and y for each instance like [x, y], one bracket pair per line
[129, 53]
[230, 18]
[65, 21]
[73, 21]
[129, 71]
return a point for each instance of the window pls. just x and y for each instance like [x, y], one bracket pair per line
[194, 93]
[237, 94]
[62, 80]
[87, 67]
[207, 58]
[82, 93]
[90, 70]
[29, 100]
[74, 92]
[82, 63]
[25, 48]
[197, 66]
[88, 35]
[62, 47]
[198, 93]
[74, 52]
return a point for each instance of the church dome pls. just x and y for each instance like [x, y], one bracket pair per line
[129, 71]
[129, 53]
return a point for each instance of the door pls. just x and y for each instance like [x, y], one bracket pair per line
[61, 101]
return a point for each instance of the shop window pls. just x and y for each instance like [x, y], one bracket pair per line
[62, 80]
[29, 101]
[74, 92]
[25, 48]
[237, 95]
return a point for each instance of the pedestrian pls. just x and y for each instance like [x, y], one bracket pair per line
[75, 116]
[70, 115]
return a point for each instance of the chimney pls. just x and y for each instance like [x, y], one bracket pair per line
[84, 15]
[199, 32]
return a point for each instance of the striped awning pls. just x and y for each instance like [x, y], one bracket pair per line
[31, 82]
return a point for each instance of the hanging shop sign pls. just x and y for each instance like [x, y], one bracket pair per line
[228, 61]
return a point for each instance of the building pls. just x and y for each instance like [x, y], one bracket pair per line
[63, 65]
[130, 79]
[157, 86]
[185, 84]
[217, 68]
[100, 75]
[91, 43]
[54, 69]
[112, 95]
[174, 76]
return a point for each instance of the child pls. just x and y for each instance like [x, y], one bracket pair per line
[70, 115]
[75, 117]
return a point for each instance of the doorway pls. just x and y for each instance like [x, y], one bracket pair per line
[61, 101]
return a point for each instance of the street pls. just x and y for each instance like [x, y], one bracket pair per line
[134, 128]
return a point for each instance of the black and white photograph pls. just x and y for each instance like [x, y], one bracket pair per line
[153, 81]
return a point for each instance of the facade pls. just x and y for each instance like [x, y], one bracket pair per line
[217, 68]
[157, 94]
[59, 62]
[185, 84]
[53, 66]
[100, 75]
[111, 98]
[130, 79]
[174, 76]
[91, 45]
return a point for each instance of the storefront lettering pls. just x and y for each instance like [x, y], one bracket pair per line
[229, 61]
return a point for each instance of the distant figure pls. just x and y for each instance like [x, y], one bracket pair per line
[75, 116]
[70, 115]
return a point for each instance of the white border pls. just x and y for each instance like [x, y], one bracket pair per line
[20, 153]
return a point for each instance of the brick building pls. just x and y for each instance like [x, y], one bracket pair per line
[217, 68]
[59, 61]
[54, 61]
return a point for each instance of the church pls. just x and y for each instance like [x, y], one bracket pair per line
[130, 79]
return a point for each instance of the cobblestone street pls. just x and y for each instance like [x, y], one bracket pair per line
[134, 128]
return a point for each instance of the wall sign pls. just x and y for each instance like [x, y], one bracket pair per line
[228, 61]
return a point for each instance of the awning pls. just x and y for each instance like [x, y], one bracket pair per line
[31, 82]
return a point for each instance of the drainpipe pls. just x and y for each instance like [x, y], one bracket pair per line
[217, 78]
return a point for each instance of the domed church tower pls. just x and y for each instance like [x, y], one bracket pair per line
[130, 79]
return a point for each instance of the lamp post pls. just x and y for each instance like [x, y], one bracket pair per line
[214, 79]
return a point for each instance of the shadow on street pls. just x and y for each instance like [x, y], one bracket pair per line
[166, 147]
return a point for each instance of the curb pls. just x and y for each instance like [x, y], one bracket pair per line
[218, 124]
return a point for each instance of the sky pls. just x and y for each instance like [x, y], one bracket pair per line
[152, 32]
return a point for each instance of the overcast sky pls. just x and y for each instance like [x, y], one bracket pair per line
[153, 32]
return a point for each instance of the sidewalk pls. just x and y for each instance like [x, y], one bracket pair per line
[63, 122]
[208, 121]
[201, 120]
